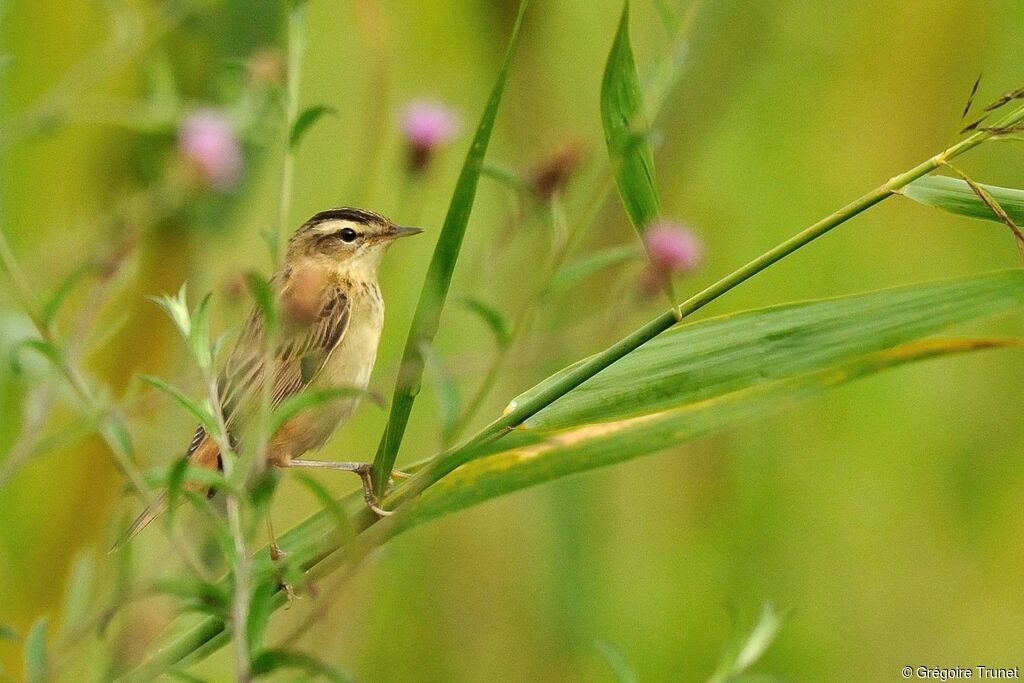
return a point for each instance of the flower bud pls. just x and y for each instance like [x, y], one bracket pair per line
[671, 249]
[427, 124]
[207, 140]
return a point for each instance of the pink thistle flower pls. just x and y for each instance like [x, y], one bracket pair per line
[427, 124]
[671, 248]
[207, 140]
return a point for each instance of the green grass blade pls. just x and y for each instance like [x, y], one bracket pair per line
[599, 445]
[625, 131]
[439, 274]
[956, 196]
[702, 360]
[588, 265]
[198, 410]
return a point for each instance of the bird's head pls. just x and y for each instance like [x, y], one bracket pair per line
[346, 238]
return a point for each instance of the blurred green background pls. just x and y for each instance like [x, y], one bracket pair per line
[886, 515]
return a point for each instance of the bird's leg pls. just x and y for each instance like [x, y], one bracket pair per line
[276, 554]
[275, 550]
[360, 468]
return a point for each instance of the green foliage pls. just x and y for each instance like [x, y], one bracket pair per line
[446, 389]
[601, 444]
[713, 357]
[588, 265]
[305, 121]
[263, 294]
[51, 307]
[746, 648]
[37, 664]
[956, 196]
[270, 661]
[491, 317]
[625, 131]
[200, 411]
[624, 672]
[293, 405]
[78, 595]
[439, 274]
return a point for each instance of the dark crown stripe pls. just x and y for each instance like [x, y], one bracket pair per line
[348, 214]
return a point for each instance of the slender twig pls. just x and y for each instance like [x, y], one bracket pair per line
[296, 48]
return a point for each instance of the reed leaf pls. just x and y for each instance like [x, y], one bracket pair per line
[439, 274]
[598, 445]
[956, 196]
[710, 358]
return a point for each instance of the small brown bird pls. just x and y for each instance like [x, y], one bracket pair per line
[331, 314]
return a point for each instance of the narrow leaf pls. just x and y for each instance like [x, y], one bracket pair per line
[57, 299]
[199, 333]
[37, 663]
[328, 502]
[198, 411]
[162, 477]
[705, 359]
[77, 595]
[956, 196]
[447, 391]
[43, 348]
[315, 397]
[625, 131]
[176, 308]
[305, 120]
[439, 274]
[588, 265]
[276, 660]
[260, 608]
[746, 648]
[263, 294]
[624, 672]
[491, 317]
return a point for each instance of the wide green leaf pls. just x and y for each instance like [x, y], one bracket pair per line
[439, 274]
[956, 196]
[599, 445]
[705, 359]
[625, 130]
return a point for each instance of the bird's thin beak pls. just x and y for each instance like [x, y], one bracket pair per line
[397, 231]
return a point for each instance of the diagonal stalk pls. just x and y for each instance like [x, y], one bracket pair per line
[462, 453]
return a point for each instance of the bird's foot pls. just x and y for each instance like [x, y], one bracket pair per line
[363, 470]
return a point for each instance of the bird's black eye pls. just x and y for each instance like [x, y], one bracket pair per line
[347, 234]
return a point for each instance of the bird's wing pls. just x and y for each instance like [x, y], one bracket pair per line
[298, 358]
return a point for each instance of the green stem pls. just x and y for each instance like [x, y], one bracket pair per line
[454, 457]
[296, 47]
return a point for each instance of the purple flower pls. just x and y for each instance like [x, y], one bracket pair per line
[208, 141]
[673, 248]
[427, 124]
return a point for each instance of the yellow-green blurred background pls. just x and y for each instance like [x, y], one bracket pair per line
[886, 515]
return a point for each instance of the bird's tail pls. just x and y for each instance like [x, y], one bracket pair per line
[155, 509]
[204, 453]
